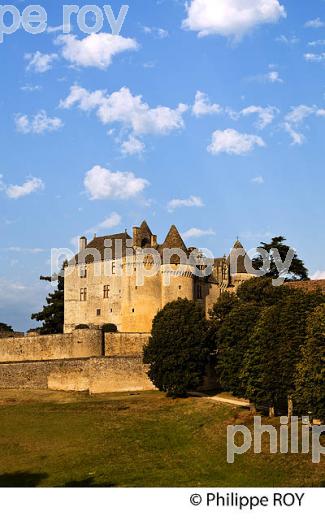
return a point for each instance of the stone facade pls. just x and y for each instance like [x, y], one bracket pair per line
[107, 283]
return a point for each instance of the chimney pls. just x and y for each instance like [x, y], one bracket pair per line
[136, 238]
[153, 241]
[82, 243]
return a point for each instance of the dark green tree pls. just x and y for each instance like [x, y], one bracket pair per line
[233, 341]
[275, 349]
[223, 306]
[52, 314]
[309, 395]
[5, 328]
[297, 269]
[178, 351]
[260, 291]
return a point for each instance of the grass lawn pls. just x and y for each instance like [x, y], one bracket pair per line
[59, 439]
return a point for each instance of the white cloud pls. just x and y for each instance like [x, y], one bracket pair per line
[258, 180]
[101, 183]
[287, 40]
[128, 110]
[57, 28]
[96, 50]
[110, 222]
[233, 143]
[37, 124]
[14, 191]
[314, 58]
[319, 275]
[132, 146]
[191, 202]
[31, 88]
[39, 62]
[197, 233]
[316, 43]
[156, 32]
[202, 105]
[273, 77]
[299, 113]
[317, 23]
[149, 64]
[320, 112]
[297, 137]
[265, 115]
[295, 119]
[230, 18]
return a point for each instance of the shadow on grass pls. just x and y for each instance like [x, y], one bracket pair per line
[88, 482]
[22, 479]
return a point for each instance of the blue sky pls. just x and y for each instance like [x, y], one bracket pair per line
[205, 117]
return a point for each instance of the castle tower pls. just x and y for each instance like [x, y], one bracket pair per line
[237, 264]
[177, 274]
[143, 237]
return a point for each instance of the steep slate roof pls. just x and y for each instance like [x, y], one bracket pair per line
[173, 240]
[98, 244]
[145, 228]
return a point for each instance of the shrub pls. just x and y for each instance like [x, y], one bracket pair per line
[178, 351]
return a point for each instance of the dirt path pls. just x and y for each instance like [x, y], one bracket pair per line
[230, 400]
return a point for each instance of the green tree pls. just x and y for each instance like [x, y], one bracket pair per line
[179, 349]
[260, 291]
[223, 307]
[52, 314]
[233, 341]
[5, 328]
[297, 269]
[309, 395]
[275, 349]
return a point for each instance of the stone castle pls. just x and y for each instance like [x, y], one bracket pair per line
[101, 289]
[104, 288]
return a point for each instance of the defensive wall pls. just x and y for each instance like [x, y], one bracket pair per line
[85, 360]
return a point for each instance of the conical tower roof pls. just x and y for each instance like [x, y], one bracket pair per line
[237, 260]
[238, 245]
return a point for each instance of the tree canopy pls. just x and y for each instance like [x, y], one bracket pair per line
[179, 348]
[52, 314]
[309, 393]
[297, 270]
[5, 328]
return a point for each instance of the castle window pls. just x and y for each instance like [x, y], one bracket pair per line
[180, 287]
[133, 310]
[106, 291]
[199, 292]
[83, 271]
[83, 295]
[113, 267]
[98, 312]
